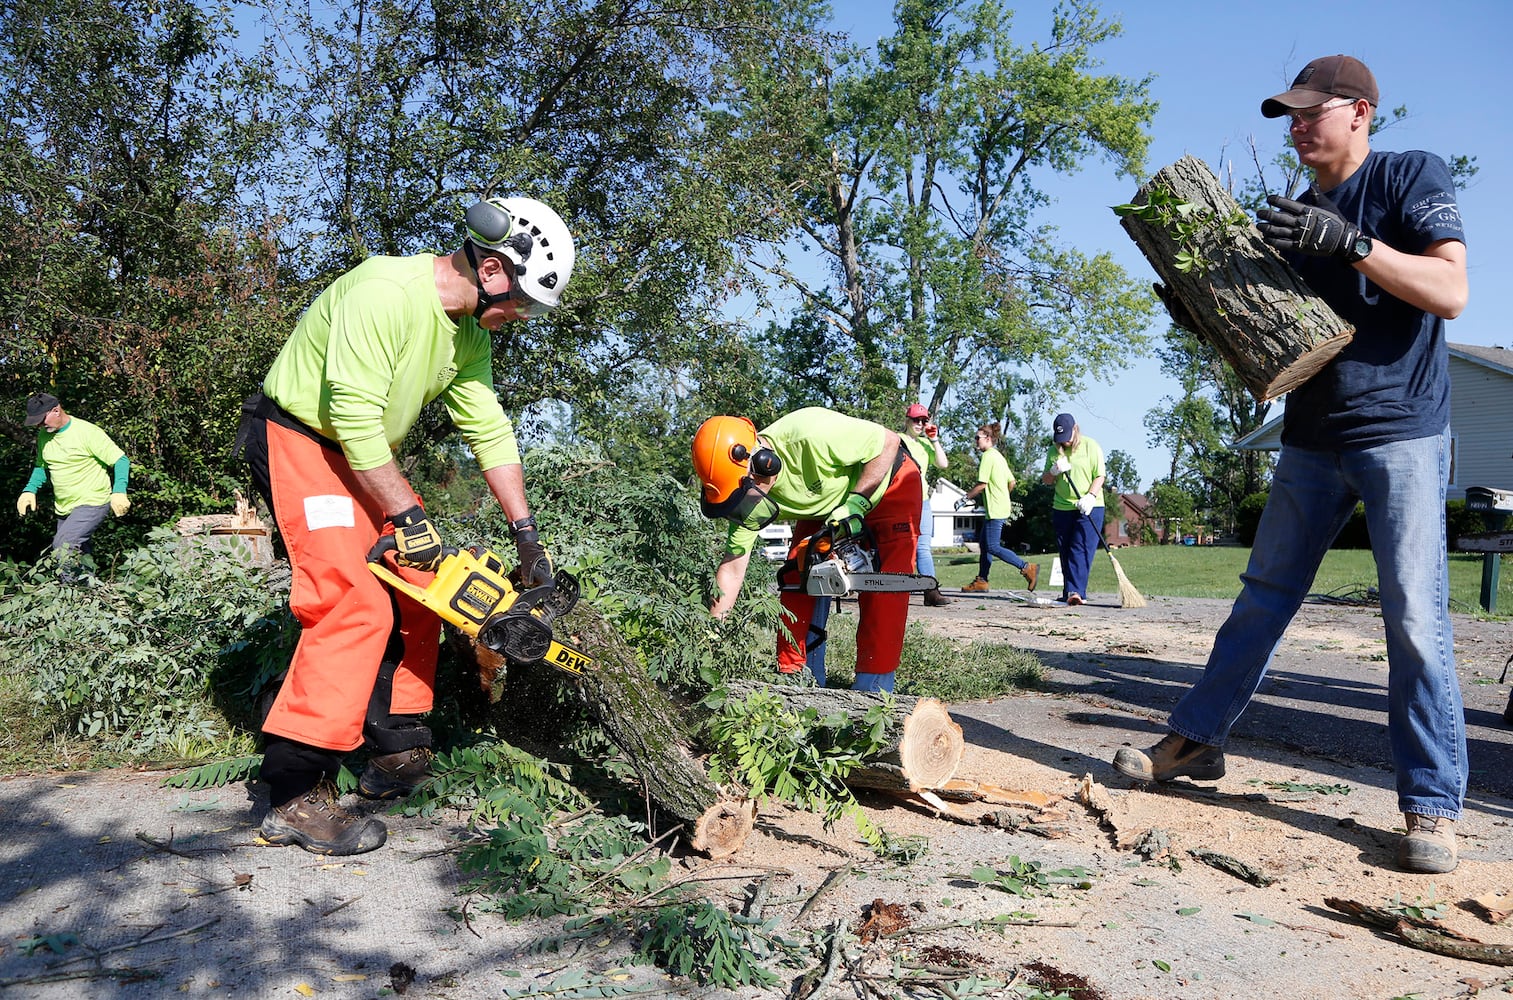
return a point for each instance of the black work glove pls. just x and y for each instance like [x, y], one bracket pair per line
[1316, 230]
[416, 538]
[1174, 307]
[536, 569]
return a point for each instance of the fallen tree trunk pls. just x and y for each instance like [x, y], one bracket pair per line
[922, 746]
[1245, 299]
[643, 722]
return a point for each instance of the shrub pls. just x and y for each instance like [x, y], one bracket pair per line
[132, 657]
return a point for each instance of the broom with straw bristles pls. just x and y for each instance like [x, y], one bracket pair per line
[1129, 597]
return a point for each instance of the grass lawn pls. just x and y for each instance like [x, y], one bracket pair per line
[1214, 571]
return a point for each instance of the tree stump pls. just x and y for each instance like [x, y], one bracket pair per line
[1247, 301]
[922, 744]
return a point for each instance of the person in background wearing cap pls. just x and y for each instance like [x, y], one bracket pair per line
[1075, 467]
[1378, 236]
[385, 339]
[995, 483]
[75, 455]
[922, 438]
[815, 467]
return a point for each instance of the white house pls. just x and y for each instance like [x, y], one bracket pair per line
[949, 526]
[1481, 420]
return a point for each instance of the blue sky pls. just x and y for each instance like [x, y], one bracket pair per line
[1213, 63]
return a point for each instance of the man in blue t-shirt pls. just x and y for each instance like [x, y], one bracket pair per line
[1378, 236]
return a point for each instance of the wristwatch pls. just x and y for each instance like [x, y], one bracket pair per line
[1359, 250]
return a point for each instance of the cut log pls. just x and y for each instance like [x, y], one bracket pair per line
[922, 746]
[646, 725]
[1246, 301]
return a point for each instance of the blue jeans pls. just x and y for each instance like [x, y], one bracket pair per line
[1077, 544]
[814, 652]
[1312, 496]
[990, 544]
[923, 557]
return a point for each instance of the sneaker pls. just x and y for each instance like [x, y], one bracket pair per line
[935, 599]
[316, 822]
[395, 775]
[1429, 847]
[1174, 757]
[977, 586]
[1031, 573]
[1073, 599]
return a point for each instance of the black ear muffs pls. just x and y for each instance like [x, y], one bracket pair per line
[488, 221]
[764, 461]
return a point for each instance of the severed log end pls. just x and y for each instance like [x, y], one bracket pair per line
[932, 745]
[723, 828]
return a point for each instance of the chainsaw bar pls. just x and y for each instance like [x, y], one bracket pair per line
[892, 582]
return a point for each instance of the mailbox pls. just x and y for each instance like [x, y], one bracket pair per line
[1494, 506]
[1489, 500]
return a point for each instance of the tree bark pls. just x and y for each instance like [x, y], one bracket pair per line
[643, 722]
[1245, 299]
[922, 746]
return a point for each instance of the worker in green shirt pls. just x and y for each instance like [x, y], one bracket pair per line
[75, 455]
[382, 341]
[814, 467]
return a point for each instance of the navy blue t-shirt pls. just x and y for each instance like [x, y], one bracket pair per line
[1392, 382]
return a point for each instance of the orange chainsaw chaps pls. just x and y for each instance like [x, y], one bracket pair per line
[347, 615]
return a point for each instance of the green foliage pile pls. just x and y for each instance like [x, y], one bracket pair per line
[797, 757]
[154, 659]
[645, 557]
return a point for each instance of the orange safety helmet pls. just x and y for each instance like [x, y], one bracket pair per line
[725, 453]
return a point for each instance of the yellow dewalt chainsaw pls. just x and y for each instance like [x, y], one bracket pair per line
[474, 592]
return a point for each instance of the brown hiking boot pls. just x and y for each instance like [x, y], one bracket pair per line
[1174, 757]
[1073, 599]
[395, 775]
[317, 823]
[935, 599]
[977, 586]
[1031, 573]
[1429, 847]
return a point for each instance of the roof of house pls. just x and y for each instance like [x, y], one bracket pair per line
[1268, 437]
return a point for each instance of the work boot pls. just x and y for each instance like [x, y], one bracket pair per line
[935, 599]
[1073, 599]
[1429, 847]
[316, 822]
[395, 775]
[977, 586]
[1174, 757]
[1031, 573]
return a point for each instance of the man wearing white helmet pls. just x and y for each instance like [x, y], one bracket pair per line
[383, 340]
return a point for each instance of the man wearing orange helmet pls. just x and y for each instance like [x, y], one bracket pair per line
[815, 466]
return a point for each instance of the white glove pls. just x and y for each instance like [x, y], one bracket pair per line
[26, 503]
[1086, 503]
[1062, 465]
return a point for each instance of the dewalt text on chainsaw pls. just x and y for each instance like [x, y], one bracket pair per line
[473, 591]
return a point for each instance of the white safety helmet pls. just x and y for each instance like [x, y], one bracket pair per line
[533, 238]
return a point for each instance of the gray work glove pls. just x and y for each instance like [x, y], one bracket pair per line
[536, 569]
[1315, 230]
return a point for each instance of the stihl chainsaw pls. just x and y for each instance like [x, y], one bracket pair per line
[825, 565]
[474, 592]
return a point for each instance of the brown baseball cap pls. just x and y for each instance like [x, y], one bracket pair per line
[1320, 80]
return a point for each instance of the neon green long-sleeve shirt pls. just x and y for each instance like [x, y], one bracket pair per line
[374, 348]
[823, 453]
[83, 463]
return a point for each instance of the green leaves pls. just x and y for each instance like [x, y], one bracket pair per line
[1026, 879]
[705, 941]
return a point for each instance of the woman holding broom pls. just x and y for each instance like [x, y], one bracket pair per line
[1075, 465]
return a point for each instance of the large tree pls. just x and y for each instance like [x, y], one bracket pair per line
[912, 177]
